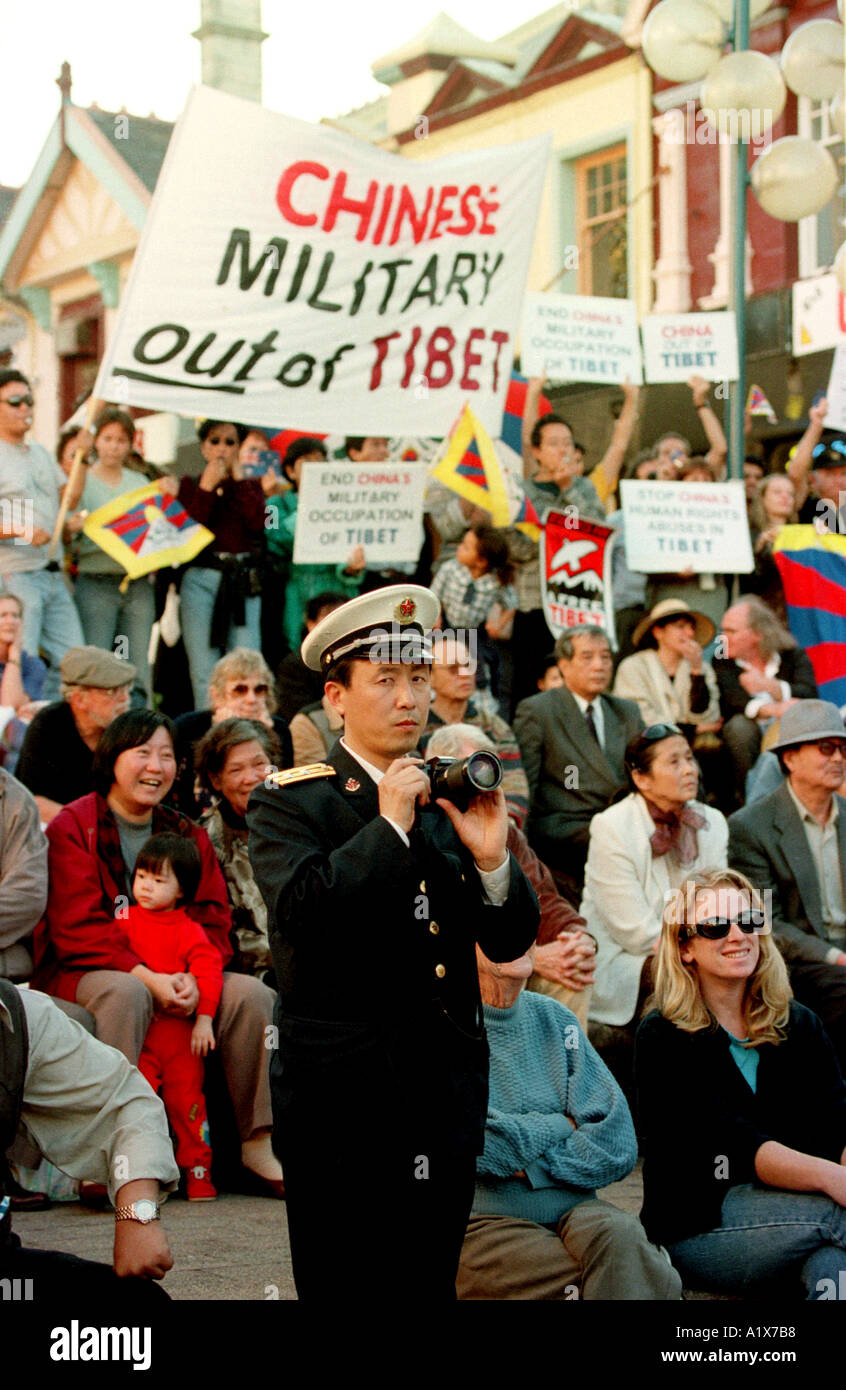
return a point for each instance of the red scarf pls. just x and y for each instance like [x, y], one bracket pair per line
[675, 832]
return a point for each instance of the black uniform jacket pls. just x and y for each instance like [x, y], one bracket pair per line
[374, 949]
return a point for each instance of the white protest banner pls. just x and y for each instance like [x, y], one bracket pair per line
[836, 393]
[679, 346]
[578, 337]
[819, 314]
[291, 274]
[376, 505]
[672, 527]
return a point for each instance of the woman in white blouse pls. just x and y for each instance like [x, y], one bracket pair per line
[641, 849]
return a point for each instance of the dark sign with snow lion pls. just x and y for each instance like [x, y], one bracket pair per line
[575, 561]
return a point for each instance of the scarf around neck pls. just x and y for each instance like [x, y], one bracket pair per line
[675, 832]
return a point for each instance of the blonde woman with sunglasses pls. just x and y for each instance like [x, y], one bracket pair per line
[241, 687]
[742, 1105]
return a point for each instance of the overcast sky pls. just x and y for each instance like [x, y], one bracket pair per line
[141, 56]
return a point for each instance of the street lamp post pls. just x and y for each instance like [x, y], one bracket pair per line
[744, 95]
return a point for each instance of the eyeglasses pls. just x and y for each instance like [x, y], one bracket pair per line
[15, 401]
[243, 689]
[829, 746]
[717, 928]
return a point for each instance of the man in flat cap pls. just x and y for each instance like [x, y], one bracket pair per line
[792, 844]
[55, 760]
[376, 898]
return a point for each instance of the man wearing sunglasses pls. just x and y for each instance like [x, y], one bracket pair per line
[792, 843]
[30, 490]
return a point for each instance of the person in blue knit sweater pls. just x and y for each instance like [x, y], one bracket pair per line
[558, 1127]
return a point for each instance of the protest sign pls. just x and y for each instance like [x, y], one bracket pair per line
[576, 337]
[575, 569]
[836, 393]
[292, 274]
[376, 505]
[145, 530]
[819, 314]
[679, 346]
[672, 527]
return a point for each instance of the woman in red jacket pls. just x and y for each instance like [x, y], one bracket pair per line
[82, 953]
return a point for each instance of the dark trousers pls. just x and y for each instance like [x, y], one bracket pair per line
[364, 1226]
[822, 987]
[62, 1280]
[374, 1210]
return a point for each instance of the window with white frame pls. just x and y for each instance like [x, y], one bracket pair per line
[821, 236]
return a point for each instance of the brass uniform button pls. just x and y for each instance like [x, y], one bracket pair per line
[434, 928]
[440, 971]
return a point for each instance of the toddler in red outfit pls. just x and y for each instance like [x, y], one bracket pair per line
[167, 873]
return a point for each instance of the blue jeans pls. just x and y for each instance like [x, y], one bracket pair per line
[108, 614]
[767, 1233]
[197, 596]
[50, 620]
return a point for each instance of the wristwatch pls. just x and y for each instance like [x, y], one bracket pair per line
[145, 1211]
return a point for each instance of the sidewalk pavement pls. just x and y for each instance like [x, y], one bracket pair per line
[233, 1248]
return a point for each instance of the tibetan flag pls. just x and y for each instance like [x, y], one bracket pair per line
[512, 417]
[813, 571]
[471, 468]
[145, 530]
[757, 403]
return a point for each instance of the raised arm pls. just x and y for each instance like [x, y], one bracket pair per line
[717, 446]
[799, 466]
[606, 473]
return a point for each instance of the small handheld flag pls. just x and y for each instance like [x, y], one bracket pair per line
[471, 468]
[145, 530]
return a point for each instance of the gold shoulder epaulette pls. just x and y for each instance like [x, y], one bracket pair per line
[302, 774]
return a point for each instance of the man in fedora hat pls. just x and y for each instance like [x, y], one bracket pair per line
[55, 760]
[792, 843]
[667, 677]
[376, 898]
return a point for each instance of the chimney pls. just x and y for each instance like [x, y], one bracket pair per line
[231, 36]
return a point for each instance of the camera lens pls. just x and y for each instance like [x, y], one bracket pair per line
[484, 771]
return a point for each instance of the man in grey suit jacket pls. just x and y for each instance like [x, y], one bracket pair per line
[573, 739]
[793, 843]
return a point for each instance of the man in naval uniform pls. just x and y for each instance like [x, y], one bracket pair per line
[376, 897]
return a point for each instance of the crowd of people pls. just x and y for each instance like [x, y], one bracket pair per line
[660, 880]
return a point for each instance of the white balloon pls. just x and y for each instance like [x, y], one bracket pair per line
[744, 95]
[812, 59]
[682, 39]
[794, 178]
[840, 267]
[837, 115]
[725, 8]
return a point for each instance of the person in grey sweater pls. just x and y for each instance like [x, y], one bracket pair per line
[557, 1128]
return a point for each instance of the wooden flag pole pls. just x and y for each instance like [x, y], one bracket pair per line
[92, 409]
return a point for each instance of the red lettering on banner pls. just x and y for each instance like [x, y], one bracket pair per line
[286, 184]
[381, 345]
[363, 208]
[471, 359]
[442, 212]
[437, 355]
[469, 224]
[425, 214]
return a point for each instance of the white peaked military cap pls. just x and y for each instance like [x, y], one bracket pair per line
[389, 625]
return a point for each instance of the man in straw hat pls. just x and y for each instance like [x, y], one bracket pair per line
[376, 898]
[667, 677]
[793, 843]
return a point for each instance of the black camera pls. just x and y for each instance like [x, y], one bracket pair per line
[459, 780]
